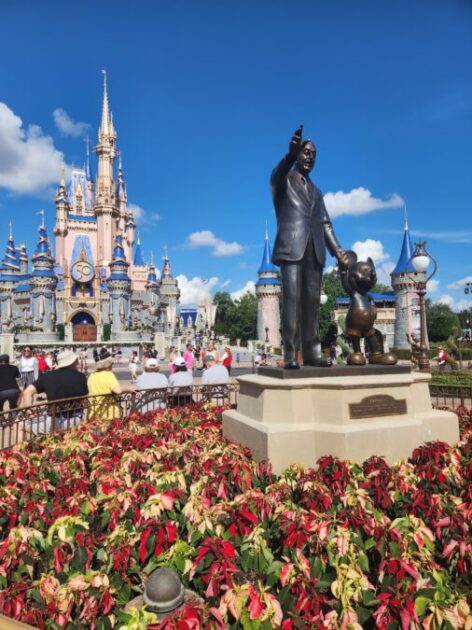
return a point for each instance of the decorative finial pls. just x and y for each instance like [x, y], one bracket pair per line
[138, 239]
[266, 231]
[105, 126]
[10, 228]
[63, 175]
[152, 258]
[165, 257]
[41, 212]
[405, 216]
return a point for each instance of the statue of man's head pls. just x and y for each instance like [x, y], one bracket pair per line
[306, 157]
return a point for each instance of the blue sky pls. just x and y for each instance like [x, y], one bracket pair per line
[205, 97]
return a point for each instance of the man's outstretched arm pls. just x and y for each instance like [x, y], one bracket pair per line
[283, 167]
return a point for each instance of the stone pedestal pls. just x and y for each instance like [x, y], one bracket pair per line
[350, 412]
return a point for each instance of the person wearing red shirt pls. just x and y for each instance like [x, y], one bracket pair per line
[227, 359]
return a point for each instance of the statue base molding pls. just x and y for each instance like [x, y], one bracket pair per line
[364, 411]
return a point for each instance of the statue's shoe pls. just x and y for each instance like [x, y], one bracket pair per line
[356, 358]
[291, 365]
[383, 358]
[321, 362]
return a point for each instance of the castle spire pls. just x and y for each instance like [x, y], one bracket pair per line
[43, 262]
[404, 264]
[138, 260]
[166, 270]
[11, 260]
[105, 123]
[87, 158]
[405, 215]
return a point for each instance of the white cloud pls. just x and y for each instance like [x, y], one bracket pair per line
[375, 249]
[433, 286]
[456, 305]
[192, 290]
[141, 216]
[67, 126]
[460, 284]
[249, 287]
[206, 238]
[29, 162]
[358, 201]
[445, 299]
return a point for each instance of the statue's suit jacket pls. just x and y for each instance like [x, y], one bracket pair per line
[301, 213]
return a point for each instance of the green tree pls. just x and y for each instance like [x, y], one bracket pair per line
[333, 288]
[225, 312]
[245, 326]
[236, 319]
[443, 326]
[440, 321]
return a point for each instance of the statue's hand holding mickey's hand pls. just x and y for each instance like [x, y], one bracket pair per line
[295, 143]
[343, 259]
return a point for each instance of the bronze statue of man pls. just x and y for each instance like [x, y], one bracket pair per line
[304, 231]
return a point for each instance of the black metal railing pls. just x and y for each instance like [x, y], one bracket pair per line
[24, 423]
[450, 396]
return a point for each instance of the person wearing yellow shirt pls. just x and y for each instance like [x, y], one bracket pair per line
[103, 384]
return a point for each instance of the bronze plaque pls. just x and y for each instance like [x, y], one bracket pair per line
[380, 405]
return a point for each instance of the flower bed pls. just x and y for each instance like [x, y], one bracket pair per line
[85, 516]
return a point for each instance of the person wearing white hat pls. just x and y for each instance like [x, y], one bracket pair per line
[64, 382]
[181, 376]
[151, 378]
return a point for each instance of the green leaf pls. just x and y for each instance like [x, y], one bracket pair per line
[421, 604]
[395, 549]
[123, 596]
[369, 543]
[363, 562]
[369, 599]
[363, 614]
[80, 557]
[317, 567]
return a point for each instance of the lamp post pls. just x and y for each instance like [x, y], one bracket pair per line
[323, 298]
[468, 291]
[420, 260]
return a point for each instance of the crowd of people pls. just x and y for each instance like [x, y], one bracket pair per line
[58, 375]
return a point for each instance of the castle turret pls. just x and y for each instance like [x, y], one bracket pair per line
[138, 258]
[130, 229]
[170, 294]
[122, 197]
[23, 255]
[152, 298]
[10, 277]
[404, 277]
[105, 208]
[61, 226]
[119, 286]
[268, 298]
[43, 283]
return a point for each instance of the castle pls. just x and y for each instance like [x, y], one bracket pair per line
[98, 278]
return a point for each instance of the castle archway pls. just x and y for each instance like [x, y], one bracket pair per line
[84, 328]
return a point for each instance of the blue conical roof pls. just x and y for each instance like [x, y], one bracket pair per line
[118, 251]
[43, 262]
[11, 260]
[403, 266]
[267, 266]
[138, 259]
